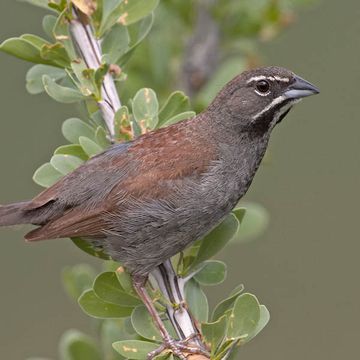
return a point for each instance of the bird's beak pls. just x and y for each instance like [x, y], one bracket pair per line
[300, 88]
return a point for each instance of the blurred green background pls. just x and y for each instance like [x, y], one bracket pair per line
[304, 268]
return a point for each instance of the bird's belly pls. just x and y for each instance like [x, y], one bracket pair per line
[150, 233]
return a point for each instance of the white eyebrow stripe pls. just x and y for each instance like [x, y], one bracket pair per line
[271, 78]
[256, 78]
[275, 102]
[283, 79]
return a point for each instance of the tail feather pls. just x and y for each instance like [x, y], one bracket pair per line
[13, 214]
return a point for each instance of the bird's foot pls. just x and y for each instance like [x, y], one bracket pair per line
[180, 348]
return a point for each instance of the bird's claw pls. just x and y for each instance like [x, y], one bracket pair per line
[180, 348]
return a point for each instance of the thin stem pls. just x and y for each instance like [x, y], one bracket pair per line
[89, 49]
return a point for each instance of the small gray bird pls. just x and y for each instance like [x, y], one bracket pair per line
[148, 199]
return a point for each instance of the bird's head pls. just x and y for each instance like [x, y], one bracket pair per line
[260, 98]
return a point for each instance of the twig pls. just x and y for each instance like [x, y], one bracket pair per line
[172, 286]
[89, 49]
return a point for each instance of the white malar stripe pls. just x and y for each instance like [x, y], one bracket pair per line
[275, 102]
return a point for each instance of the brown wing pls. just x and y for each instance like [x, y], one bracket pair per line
[148, 169]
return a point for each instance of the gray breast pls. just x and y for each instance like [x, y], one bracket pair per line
[149, 232]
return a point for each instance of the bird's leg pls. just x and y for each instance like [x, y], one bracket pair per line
[181, 348]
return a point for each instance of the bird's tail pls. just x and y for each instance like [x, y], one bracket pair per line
[13, 214]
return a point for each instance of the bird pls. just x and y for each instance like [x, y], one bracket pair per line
[145, 200]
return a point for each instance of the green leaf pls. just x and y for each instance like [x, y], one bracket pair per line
[135, 10]
[228, 348]
[73, 128]
[65, 163]
[264, 319]
[144, 29]
[101, 137]
[73, 149]
[227, 303]
[46, 175]
[62, 34]
[61, 93]
[239, 213]
[35, 40]
[22, 49]
[86, 77]
[143, 324]
[145, 108]
[90, 147]
[179, 117]
[75, 345]
[254, 222]
[108, 288]
[56, 54]
[214, 332]
[244, 316]
[110, 13]
[125, 280]
[213, 273]
[77, 279]
[115, 43]
[90, 249]
[134, 349]
[48, 25]
[217, 239]
[97, 308]
[197, 301]
[34, 82]
[176, 103]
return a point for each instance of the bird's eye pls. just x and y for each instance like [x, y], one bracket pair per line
[262, 86]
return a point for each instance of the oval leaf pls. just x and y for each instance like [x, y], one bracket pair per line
[254, 222]
[65, 163]
[134, 349]
[135, 10]
[214, 333]
[46, 175]
[145, 108]
[213, 273]
[197, 301]
[97, 308]
[34, 83]
[90, 147]
[73, 149]
[73, 128]
[227, 303]
[264, 319]
[116, 43]
[176, 103]
[143, 324]
[61, 93]
[107, 287]
[22, 49]
[244, 316]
